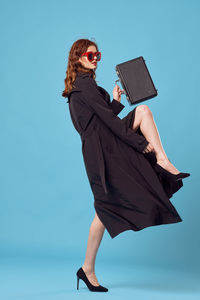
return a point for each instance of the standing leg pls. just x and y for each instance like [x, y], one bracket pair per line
[95, 236]
[144, 119]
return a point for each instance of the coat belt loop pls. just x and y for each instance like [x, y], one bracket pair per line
[101, 163]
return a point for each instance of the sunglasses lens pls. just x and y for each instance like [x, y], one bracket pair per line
[98, 55]
[90, 56]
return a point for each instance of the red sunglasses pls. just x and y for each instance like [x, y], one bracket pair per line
[90, 55]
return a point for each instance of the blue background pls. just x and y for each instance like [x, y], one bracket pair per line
[46, 204]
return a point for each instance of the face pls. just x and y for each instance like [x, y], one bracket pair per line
[89, 64]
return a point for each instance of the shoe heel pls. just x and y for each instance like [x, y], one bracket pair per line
[181, 175]
[78, 282]
[169, 175]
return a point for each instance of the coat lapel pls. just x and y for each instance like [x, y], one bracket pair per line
[76, 89]
[73, 90]
[103, 92]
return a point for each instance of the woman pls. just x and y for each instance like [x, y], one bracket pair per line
[128, 170]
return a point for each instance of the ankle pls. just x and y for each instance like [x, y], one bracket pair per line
[87, 269]
[162, 158]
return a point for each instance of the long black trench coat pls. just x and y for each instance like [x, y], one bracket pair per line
[128, 193]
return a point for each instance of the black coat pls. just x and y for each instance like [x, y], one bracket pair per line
[128, 193]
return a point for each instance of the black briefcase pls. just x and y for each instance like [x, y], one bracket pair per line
[136, 80]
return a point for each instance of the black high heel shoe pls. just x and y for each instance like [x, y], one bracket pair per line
[169, 175]
[81, 275]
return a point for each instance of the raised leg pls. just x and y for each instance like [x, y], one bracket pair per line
[144, 119]
[95, 236]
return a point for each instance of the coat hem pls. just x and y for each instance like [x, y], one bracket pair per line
[113, 235]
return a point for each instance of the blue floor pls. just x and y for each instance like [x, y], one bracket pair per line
[43, 279]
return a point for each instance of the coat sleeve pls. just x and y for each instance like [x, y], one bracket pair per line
[116, 106]
[93, 98]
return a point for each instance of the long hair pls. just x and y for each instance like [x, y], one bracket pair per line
[80, 46]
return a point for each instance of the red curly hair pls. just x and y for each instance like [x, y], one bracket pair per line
[80, 46]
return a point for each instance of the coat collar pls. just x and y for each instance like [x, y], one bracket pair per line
[84, 74]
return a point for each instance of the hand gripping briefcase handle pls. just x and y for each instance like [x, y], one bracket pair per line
[136, 80]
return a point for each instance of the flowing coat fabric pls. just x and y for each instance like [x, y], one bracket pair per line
[128, 193]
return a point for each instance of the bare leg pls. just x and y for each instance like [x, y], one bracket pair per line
[95, 236]
[144, 119]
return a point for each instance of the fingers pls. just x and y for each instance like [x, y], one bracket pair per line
[118, 88]
[149, 148]
[117, 92]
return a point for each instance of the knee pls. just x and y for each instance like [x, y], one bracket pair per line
[143, 109]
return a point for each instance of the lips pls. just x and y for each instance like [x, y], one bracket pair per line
[94, 63]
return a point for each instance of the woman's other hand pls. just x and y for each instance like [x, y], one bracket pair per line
[117, 93]
[149, 148]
